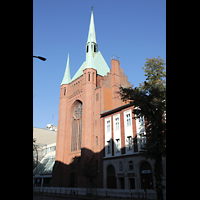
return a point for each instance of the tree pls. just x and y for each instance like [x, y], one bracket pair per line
[149, 101]
[89, 170]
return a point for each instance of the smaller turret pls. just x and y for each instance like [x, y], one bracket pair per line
[67, 77]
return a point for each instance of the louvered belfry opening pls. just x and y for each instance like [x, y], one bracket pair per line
[76, 128]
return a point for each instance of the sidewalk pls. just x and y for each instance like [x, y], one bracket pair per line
[48, 197]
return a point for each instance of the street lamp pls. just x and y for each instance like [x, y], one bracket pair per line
[40, 57]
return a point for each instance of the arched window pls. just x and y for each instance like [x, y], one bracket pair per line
[76, 135]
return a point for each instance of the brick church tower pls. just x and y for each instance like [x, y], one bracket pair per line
[92, 90]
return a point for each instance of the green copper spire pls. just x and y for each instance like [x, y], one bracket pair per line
[94, 59]
[91, 46]
[67, 77]
[91, 33]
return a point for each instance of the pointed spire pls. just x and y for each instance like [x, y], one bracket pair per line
[91, 33]
[67, 77]
[91, 46]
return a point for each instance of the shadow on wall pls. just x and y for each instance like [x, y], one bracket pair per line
[85, 170]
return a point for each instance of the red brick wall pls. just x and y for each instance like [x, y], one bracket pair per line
[97, 95]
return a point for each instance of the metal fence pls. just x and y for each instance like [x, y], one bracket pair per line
[134, 194]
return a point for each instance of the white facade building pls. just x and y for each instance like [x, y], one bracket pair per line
[123, 165]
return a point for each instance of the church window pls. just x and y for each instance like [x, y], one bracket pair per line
[76, 135]
[64, 91]
[97, 96]
[89, 77]
[97, 140]
[80, 134]
[95, 48]
[87, 48]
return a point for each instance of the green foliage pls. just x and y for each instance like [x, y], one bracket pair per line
[149, 100]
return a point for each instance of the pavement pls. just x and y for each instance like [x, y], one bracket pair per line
[43, 197]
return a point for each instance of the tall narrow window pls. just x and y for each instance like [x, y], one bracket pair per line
[89, 77]
[108, 147]
[129, 142]
[117, 123]
[93, 77]
[95, 48]
[76, 135]
[97, 140]
[80, 134]
[130, 163]
[64, 91]
[108, 126]
[128, 119]
[117, 145]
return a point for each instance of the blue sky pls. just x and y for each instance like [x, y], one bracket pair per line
[130, 29]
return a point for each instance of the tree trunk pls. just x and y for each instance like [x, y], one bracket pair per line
[158, 172]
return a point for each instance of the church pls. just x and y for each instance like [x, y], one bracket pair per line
[98, 140]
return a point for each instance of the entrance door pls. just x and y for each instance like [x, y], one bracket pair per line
[146, 176]
[111, 179]
[132, 183]
[146, 181]
[121, 183]
[72, 179]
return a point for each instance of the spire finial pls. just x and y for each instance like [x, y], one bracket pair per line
[92, 8]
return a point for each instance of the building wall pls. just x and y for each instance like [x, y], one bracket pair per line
[125, 172]
[119, 154]
[97, 94]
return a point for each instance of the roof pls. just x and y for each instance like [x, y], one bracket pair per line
[108, 112]
[67, 77]
[45, 166]
[91, 33]
[99, 64]
[79, 72]
[93, 60]
[44, 136]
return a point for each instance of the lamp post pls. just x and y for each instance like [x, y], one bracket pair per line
[40, 57]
